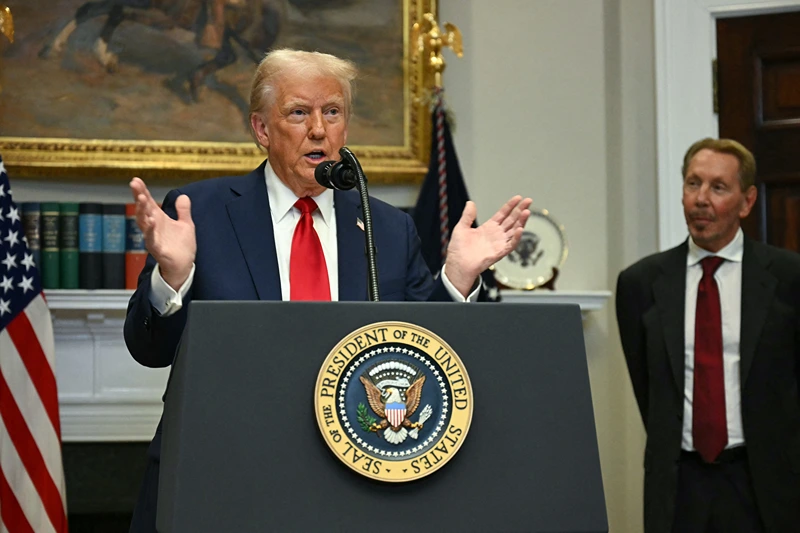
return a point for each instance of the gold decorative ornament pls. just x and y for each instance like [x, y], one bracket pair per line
[428, 36]
[7, 29]
[7, 23]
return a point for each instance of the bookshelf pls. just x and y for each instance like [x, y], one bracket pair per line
[106, 396]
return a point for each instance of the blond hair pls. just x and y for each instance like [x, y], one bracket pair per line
[747, 163]
[286, 62]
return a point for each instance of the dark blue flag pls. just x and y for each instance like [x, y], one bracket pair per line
[442, 199]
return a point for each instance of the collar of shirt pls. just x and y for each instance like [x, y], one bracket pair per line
[732, 251]
[282, 199]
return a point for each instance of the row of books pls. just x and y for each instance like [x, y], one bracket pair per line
[84, 245]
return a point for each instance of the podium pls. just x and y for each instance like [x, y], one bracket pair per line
[241, 450]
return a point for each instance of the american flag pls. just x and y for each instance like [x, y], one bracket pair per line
[32, 492]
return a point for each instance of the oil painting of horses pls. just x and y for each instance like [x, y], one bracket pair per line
[180, 70]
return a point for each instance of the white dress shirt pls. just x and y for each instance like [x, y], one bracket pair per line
[166, 301]
[729, 280]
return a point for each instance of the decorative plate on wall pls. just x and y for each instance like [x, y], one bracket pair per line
[539, 255]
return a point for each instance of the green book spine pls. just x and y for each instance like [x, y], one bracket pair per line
[50, 241]
[68, 230]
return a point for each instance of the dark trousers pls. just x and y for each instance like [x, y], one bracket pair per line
[144, 514]
[716, 498]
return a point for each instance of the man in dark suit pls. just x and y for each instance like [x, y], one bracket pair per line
[275, 234]
[710, 335]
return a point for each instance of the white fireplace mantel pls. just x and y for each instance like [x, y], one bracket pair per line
[105, 396]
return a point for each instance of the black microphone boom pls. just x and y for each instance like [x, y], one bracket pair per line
[344, 175]
[335, 175]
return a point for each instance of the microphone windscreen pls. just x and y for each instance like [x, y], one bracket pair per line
[322, 173]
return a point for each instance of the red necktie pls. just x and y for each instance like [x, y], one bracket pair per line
[709, 421]
[308, 273]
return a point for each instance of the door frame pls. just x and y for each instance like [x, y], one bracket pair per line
[685, 46]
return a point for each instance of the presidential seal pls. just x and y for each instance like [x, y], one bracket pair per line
[393, 401]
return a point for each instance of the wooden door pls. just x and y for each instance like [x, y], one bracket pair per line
[758, 62]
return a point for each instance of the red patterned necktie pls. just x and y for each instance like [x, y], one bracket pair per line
[308, 273]
[709, 421]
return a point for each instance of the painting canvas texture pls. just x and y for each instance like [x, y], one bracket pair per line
[164, 74]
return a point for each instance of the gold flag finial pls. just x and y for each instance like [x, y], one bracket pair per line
[6, 23]
[428, 36]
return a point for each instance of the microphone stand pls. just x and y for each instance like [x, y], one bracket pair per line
[370, 251]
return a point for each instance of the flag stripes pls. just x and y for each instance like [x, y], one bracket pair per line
[30, 456]
[32, 488]
[11, 511]
[39, 370]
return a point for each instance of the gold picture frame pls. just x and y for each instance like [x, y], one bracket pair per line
[77, 158]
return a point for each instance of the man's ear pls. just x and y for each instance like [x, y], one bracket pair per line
[750, 196]
[259, 129]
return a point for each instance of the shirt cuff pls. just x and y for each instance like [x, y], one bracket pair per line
[453, 292]
[163, 298]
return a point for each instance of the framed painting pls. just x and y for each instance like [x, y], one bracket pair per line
[160, 88]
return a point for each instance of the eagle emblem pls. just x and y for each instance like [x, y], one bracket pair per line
[394, 399]
[526, 251]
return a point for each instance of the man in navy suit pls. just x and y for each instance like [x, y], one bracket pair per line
[232, 238]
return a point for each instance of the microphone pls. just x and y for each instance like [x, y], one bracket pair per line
[335, 175]
[344, 175]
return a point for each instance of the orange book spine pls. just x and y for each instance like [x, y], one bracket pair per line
[135, 252]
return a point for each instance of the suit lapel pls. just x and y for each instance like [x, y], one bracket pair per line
[252, 222]
[351, 245]
[758, 291]
[669, 292]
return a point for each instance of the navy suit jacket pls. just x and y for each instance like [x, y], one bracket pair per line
[236, 260]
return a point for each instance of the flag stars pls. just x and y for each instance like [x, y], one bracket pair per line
[4, 307]
[2, 186]
[12, 238]
[10, 261]
[26, 284]
[7, 284]
[13, 213]
[28, 262]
